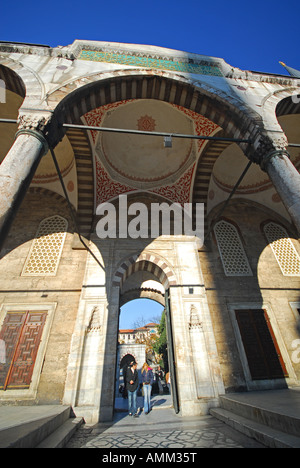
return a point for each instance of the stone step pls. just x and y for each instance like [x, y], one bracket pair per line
[61, 436]
[27, 427]
[278, 417]
[261, 432]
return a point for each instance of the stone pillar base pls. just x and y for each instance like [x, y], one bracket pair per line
[200, 407]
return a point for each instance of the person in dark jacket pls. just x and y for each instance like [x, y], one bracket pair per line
[160, 380]
[126, 369]
[132, 384]
[147, 379]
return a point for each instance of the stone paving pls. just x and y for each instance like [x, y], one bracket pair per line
[160, 429]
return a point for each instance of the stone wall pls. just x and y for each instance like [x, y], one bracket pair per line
[267, 288]
[60, 293]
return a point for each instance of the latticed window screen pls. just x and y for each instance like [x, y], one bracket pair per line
[285, 253]
[233, 256]
[45, 252]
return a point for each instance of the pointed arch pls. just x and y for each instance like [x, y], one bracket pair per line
[21, 80]
[76, 98]
[145, 262]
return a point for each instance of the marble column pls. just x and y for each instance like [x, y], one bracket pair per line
[286, 180]
[16, 173]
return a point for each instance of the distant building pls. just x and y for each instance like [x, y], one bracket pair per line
[130, 336]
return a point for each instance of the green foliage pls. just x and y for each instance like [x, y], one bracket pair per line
[160, 344]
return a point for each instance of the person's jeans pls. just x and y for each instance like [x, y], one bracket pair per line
[147, 396]
[132, 401]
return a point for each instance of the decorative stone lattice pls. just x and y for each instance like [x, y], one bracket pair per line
[285, 253]
[233, 256]
[46, 249]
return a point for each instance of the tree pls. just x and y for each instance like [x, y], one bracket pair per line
[139, 322]
[160, 344]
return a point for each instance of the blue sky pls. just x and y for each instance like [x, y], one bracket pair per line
[250, 35]
[138, 308]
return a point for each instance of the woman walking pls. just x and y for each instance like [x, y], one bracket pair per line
[147, 379]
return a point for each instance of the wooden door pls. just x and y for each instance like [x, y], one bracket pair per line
[260, 345]
[21, 332]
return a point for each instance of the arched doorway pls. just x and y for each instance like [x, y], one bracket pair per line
[142, 337]
[125, 362]
[149, 276]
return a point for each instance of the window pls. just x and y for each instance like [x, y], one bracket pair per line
[46, 249]
[285, 253]
[232, 253]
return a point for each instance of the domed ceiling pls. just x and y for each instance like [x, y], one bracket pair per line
[126, 163]
[231, 163]
[142, 160]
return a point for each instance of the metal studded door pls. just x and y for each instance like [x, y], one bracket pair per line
[260, 345]
[171, 354]
[21, 333]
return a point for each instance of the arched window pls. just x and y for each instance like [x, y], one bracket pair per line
[285, 253]
[46, 248]
[232, 253]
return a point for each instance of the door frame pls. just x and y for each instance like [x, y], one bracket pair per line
[267, 383]
[171, 352]
[49, 309]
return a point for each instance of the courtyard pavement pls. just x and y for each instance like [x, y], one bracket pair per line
[160, 429]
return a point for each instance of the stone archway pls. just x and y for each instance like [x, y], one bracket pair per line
[145, 261]
[76, 98]
[194, 354]
[22, 81]
[148, 276]
[127, 354]
[173, 264]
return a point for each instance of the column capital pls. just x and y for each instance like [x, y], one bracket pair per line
[43, 121]
[267, 145]
[34, 121]
[35, 124]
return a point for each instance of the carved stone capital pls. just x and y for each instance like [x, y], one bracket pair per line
[32, 121]
[42, 122]
[36, 126]
[265, 145]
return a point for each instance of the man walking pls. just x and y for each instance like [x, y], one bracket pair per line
[126, 369]
[132, 383]
[160, 380]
